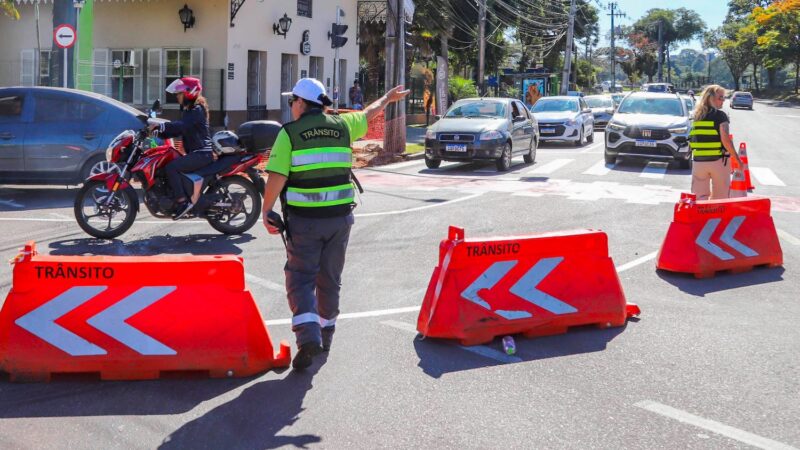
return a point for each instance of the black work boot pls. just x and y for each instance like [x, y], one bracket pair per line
[327, 338]
[305, 355]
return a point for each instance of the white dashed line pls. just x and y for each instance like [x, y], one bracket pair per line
[600, 169]
[357, 315]
[636, 262]
[551, 167]
[654, 169]
[419, 208]
[788, 237]
[271, 285]
[713, 426]
[766, 176]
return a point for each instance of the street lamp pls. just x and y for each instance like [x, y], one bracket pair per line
[187, 17]
[282, 27]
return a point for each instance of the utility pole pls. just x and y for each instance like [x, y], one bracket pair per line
[481, 45]
[568, 51]
[394, 137]
[660, 50]
[614, 6]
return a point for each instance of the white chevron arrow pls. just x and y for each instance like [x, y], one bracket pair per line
[704, 239]
[487, 280]
[41, 321]
[526, 287]
[111, 320]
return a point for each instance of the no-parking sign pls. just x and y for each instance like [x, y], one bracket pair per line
[64, 36]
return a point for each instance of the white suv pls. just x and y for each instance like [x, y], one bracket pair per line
[564, 118]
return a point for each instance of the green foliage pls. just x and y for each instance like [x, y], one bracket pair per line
[461, 88]
[8, 9]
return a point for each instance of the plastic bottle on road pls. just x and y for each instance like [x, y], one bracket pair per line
[508, 345]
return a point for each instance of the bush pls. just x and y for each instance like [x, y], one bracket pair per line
[462, 88]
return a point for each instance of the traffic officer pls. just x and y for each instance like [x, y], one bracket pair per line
[711, 146]
[310, 170]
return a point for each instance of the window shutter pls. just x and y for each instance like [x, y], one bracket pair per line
[101, 69]
[28, 68]
[197, 63]
[137, 76]
[155, 75]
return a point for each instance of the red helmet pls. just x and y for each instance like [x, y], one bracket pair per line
[190, 87]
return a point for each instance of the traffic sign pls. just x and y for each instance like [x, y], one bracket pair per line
[64, 36]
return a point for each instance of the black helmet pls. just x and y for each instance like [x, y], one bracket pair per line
[226, 142]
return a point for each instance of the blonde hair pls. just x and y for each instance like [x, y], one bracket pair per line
[705, 101]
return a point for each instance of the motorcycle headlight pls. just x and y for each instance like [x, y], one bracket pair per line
[679, 130]
[616, 126]
[491, 135]
[430, 134]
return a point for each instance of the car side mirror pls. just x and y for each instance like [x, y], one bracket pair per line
[519, 119]
[437, 117]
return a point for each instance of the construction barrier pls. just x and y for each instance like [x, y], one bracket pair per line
[536, 285]
[709, 236]
[132, 318]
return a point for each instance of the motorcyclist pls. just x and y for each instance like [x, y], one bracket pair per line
[194, 130]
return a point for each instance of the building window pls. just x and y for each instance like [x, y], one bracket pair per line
[122, 76]
[44, 68]
[178, 64]
[315, 64]
[304, 8]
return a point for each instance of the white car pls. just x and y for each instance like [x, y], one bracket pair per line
[564, 118]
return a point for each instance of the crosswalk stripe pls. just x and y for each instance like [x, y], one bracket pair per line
[552, 166]
[654, 169]
[766, 176]
[600, 169]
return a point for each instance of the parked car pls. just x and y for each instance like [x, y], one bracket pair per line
[742, 100]
[56, 136]
[617, 97]
[650, 125]
[602, 107]
[564, 118]
[658, 87]
[482, 129]
[690, 103]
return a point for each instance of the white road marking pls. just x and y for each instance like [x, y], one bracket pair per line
[593, 147]
[11, 203]
[419, 208]
[787, 115]
[151, 222]
[551, 167]
[788, 237]
[636, 262]
[403, 164]
[271, 285]
[599, 169]
[766, 176]
[482, 350]
[713, 426]
[357, 315]
[654, 169]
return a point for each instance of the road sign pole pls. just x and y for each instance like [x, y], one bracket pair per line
[66, 50]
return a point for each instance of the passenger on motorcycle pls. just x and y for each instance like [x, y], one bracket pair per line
[194, 131]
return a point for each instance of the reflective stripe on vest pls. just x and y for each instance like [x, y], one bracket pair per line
[321, 158]
[705, 139]
[327, 196]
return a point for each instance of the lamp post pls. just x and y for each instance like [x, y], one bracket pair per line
[282, 27]
[187, 17]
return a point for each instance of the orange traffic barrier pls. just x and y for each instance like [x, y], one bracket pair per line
[132, 318]
[746, 164]
[708, 236]
[738, 187]
[536, 285]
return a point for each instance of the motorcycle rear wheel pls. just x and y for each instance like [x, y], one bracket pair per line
[245, 209]
[91, 212]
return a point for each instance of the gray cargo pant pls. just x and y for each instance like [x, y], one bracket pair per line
[315, 259]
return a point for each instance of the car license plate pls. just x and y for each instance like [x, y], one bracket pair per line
[456, 148]
[548, 130]
[645, 143]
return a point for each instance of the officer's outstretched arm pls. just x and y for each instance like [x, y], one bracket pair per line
[395, 94]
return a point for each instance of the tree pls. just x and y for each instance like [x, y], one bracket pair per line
[8, 9]
[724, 39]
[780, 22]
[678, 25]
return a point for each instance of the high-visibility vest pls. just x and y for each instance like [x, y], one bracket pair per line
[319, 183]
[704, 140]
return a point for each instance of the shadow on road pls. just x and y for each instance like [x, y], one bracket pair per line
[254, 418]
[438, 357]
[195, 244]
[722, 281]
[35, 198]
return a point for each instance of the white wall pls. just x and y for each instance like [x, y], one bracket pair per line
[16, 35]
[253, 31]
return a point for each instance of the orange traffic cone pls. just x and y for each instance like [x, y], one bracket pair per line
[738, 187]
[746, 163]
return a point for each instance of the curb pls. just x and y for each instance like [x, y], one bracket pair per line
[414, 156]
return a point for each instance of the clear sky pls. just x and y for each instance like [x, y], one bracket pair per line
[712, 11]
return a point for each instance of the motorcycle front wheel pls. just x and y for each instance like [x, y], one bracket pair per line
[101, 217]
[242, 205]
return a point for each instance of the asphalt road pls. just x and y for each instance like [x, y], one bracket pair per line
[710, 363]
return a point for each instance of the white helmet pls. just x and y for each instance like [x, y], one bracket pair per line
[226, 143]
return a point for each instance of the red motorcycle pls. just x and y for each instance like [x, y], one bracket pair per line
[227, 192]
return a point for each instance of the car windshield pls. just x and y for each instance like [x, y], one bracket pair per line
[555, 105]
[743, 94]
[599, 102]
[479, 108]
[651, 105]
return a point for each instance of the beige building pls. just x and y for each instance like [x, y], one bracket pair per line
[138, 47]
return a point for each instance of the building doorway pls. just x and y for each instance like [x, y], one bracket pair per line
[288, 79]
[256, 85]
